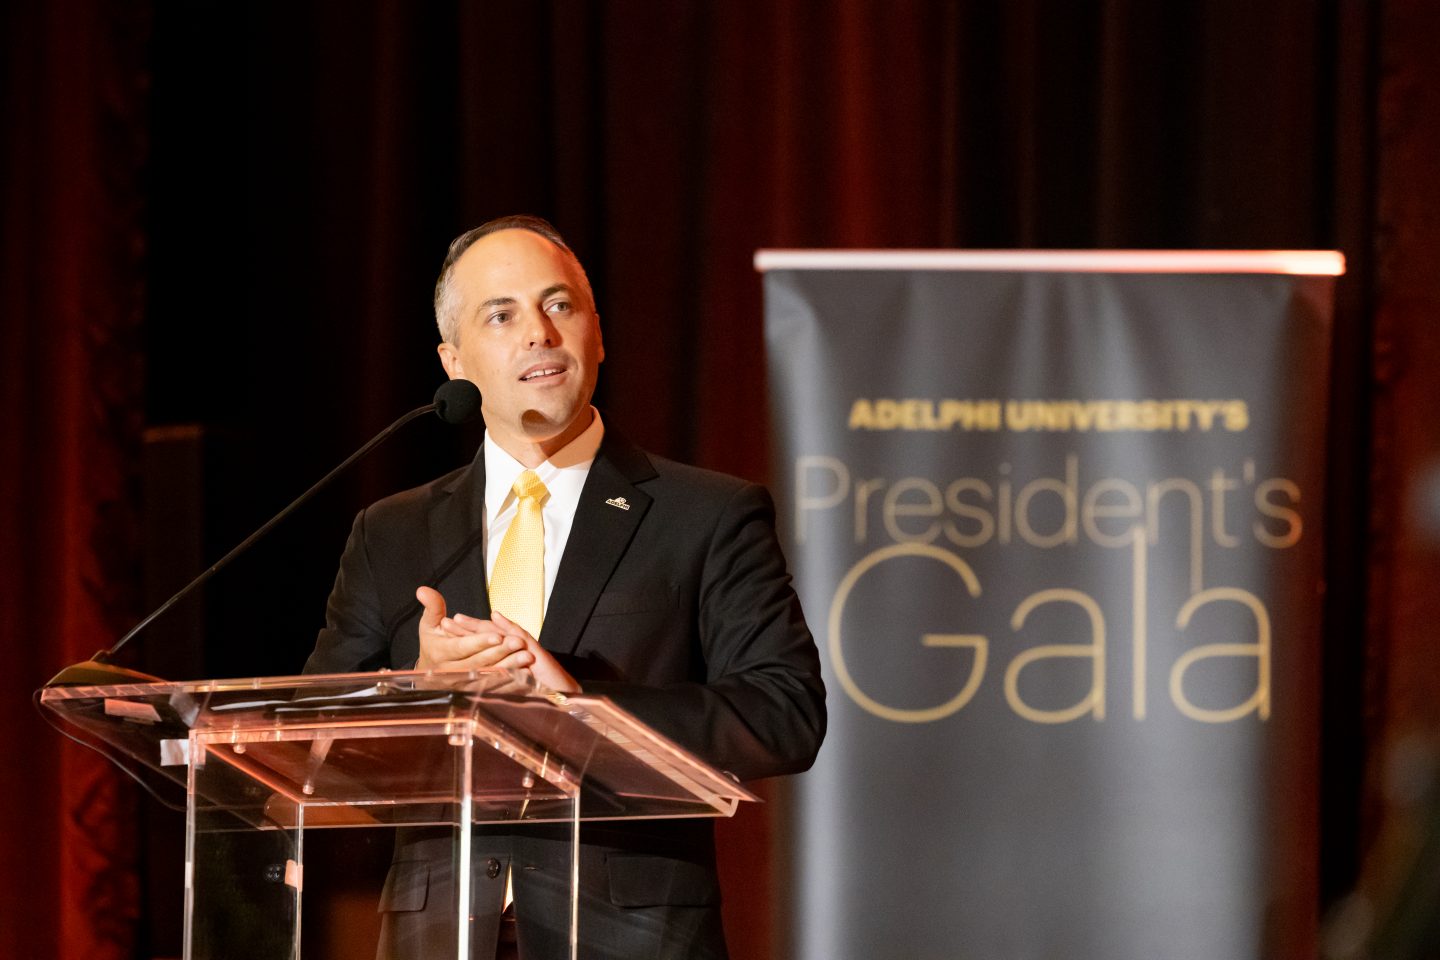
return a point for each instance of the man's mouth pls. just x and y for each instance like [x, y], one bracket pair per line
[541, 372]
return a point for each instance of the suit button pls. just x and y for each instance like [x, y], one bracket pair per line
[492, 868]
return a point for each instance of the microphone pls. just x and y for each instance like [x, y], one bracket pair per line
[456, 402]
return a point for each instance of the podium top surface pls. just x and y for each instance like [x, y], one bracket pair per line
[398, 747]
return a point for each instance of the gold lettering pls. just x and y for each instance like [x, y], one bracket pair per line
[1068, 492]
[1002, 507]
[863, 489]
[930, 508]
[977, 642]
[1219, 486]
[1294, 526]
[1154, 494]
[1259, 702]
[1094, 701]
[1206, 411]
[887, 414]
[806, 501]
[1092, 511]
[980, 515]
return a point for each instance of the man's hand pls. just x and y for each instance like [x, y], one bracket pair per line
[467, 643]
[545, 668]
[463, 643]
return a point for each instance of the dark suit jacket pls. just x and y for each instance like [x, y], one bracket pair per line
[678, 608]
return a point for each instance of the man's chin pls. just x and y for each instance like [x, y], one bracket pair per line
[542, 426]
[545, 424]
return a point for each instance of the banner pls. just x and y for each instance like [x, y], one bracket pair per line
[1055, 521]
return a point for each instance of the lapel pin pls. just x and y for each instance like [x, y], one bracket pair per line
[618, 502]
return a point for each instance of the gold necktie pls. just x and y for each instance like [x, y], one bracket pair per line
[517, 585]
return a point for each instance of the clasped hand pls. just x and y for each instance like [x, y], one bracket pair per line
[466, 643]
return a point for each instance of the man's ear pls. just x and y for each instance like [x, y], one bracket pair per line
[600, 335]
[450, 360]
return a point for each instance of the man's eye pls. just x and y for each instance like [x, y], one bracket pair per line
[559, 306]
[500, 317]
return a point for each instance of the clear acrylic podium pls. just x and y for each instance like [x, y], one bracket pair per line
[265, 760]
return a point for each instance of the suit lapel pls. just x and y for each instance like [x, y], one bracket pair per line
[457, 543]
[610, 510]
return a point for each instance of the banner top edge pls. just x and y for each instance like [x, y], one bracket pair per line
[1303, 262]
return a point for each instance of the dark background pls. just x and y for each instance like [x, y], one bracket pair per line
[221, 224]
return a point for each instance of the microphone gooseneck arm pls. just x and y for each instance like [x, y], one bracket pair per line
[455, 402]
[269, 525]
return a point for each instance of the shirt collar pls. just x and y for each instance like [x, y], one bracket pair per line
[501, 469]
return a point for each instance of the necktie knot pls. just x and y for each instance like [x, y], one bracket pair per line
[528, 486]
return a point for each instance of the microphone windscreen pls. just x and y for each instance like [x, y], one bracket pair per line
[457, 401]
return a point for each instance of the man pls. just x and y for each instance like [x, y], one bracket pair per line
[664, 589]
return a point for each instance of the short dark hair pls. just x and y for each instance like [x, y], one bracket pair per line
[445, 317]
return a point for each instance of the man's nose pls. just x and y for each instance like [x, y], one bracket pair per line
[539, 330]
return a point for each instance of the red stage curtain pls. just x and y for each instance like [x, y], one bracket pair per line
[70, 299]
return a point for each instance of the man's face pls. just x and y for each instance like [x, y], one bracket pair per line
[528, 336]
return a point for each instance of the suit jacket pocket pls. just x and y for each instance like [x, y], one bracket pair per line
[641, 881]
[406, 887]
